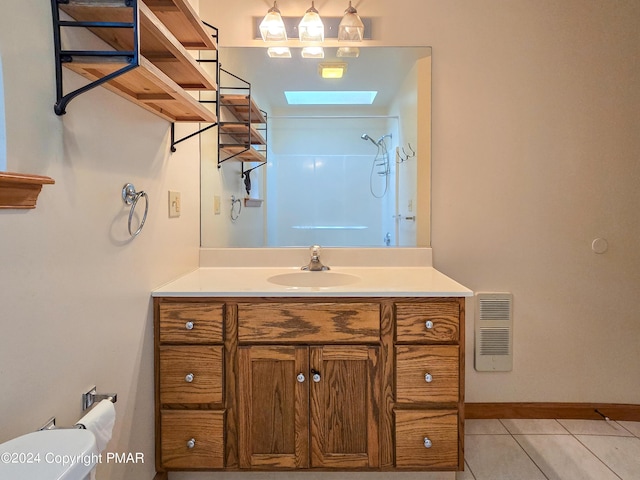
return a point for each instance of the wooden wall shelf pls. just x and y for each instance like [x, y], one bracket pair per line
[157, 43]
[20, 191]
[149, 87]
[243, 154]
[165, 68]
[183, 22]
[241, 105]
[242, 133]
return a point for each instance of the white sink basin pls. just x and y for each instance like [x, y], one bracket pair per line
[313, 279]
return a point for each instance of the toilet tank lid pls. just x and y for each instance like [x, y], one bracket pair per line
[64, 454]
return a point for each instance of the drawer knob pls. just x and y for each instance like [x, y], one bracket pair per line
[188, 325]
[300, 377]
[191, 443]
[428, 378]
[316, 376]
[189, 378]
[428, 324]
[427, 443]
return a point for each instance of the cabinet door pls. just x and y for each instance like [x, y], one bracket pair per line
[344, 407]
[273, 407]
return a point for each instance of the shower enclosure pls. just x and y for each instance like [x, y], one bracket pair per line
[326, 186]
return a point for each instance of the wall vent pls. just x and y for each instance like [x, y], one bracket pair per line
[494, 332]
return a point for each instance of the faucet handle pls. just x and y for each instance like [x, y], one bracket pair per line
[315, 250]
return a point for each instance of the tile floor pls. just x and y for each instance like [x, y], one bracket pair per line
[551, 450]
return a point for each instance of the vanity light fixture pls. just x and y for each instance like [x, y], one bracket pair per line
[351, 28]
[350, 52]
[272, 27]
[332, 70]
[311, 28]
[279, 52]
[312, 52]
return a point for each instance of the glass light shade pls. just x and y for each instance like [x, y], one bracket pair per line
[353, 52]
[312, 52]
[311, 28]
[279, 52]
[272, 27]
[351, 28]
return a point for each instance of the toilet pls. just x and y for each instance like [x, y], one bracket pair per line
[59, 454]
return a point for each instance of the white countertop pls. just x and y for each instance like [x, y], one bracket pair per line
[421, 281]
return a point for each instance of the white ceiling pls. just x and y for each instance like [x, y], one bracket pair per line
[377, 68]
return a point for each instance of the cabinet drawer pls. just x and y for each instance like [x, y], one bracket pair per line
[309, 323]
[191, 374]
[191, 322]
[427, 373]
[192, 439]
[427, 438]
[432, 322]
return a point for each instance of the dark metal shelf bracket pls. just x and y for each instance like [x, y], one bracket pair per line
[66, 56]
[175, 142]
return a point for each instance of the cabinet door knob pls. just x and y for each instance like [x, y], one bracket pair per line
[428, 324]
[300, 377]
[428, 377]
[427, 443]
[316, 375]
[188, 325]
[191, 443]
[189, 378]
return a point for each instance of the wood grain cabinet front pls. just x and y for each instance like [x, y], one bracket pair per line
[429, 384]
[306, 407]
[429, 322]
[349, 384]
[191, 323]
[192, 439]
[427, 438]
[317, 322]
[427, 374]
[191, 374]
[190, 413]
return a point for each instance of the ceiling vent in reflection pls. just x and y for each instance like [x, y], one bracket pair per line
[494, 332]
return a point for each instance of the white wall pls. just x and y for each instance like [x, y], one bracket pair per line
[3, 132]
[225, 180]
[535, 154]
[405, 107]
[74, 289]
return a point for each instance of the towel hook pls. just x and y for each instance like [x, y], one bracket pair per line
[131, 197]
[407, 156]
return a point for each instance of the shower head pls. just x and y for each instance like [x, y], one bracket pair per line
[367, 137]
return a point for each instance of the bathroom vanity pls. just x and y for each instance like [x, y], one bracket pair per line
[251, 374]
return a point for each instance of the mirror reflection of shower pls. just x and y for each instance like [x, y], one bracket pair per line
[380, 165]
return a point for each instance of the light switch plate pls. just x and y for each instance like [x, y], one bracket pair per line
[216, 204]
[174, 204]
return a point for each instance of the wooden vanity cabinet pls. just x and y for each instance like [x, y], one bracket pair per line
[429, 384]
[331, 388]
[305, 383]
[190, 415]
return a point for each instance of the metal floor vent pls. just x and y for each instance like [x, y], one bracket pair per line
[494, 332]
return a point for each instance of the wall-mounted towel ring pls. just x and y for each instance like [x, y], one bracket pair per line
[235, 212]
[131, 197]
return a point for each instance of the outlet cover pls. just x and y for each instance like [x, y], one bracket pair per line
[216, 204]
[174, 204]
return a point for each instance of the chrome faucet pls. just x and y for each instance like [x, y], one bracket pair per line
[315, 265]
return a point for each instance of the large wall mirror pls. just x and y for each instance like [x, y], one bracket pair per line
[344, 174]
